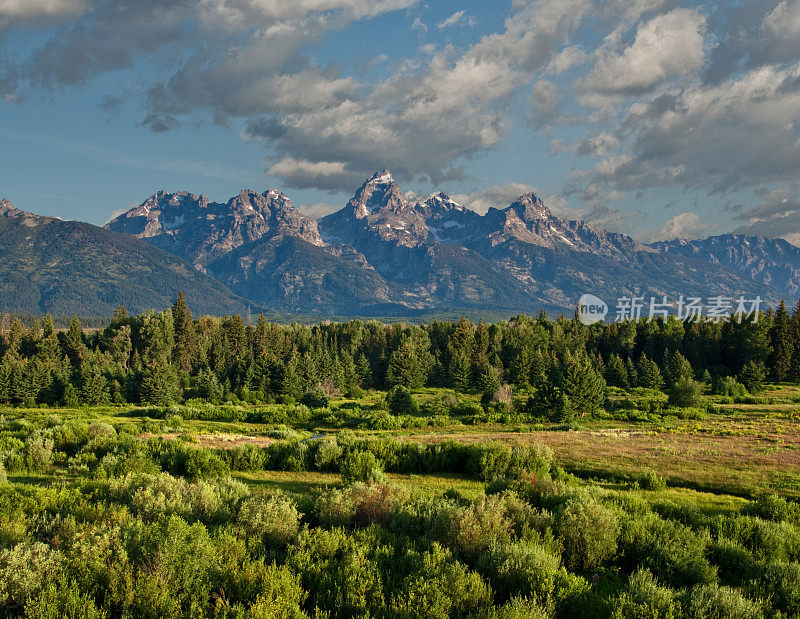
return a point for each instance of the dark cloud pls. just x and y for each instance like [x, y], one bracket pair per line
[778, 215]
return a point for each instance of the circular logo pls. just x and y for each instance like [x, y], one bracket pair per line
[591, 309]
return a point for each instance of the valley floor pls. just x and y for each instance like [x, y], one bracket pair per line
[717, 477]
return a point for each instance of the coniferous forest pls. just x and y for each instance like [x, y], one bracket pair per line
[168, 465]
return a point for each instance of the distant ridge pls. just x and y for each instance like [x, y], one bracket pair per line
[70, 267]
[385, 255]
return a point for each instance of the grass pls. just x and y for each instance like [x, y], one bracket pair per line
[311, 482]
[738, 450]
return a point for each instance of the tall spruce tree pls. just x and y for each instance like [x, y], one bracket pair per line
[93, 385]
[73, 343]
[794, 369]
[649, 373]
[185, 335]
[405, 367]
[782, 340]
[580, 382]
[616, 373]
[676, 367]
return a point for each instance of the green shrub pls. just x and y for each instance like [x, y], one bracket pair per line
[517, 608]
[38, 451]
[152, 497]
[438, 586]
[685, 393]
[335, 508]
[361, 504]
[63, 598]
[315, 399]
[772, 507]
[3, 477]
[401, 401]
[382, 421]
[340, 571]
[292, 455]
[779, 586]
[520, 569]
[735, 564]
[479, 525]
[70, 437]
[245, 458]
[644, 597]
[671, 551]
[706, 601]
[727, 386]
[25, 570]
[113, 465]
[205, 464]
[494, 460]
[274, 519]
[361, 466]
[589, 532]
[768, 541]
[177, 560]
[281, 595]
[327, 455]
[651, 481]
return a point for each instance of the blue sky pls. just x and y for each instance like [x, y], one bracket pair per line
[651, 117]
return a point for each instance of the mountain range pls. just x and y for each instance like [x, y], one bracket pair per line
[383, 254]
[71, 267]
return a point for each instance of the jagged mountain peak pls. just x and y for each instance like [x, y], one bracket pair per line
[31, 220]
[379, 192]
[203, 231]
[271, 201]
[165, 199]
[443, 201]
[530, 207]
[382, 176]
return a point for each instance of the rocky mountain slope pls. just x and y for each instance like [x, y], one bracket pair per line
[774, 262]
[69, 267]
[261, 247]
[385, 254]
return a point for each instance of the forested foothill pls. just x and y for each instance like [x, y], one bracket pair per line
[164, 465]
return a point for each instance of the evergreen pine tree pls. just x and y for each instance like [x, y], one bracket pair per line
[120, 318]
[74, 346]
[291, 384]
[633, 374]
[649, 374]
[794, 368]
[460, 371]
[364, 371]
[753, 376]
[185, 334]
[208, 387]
[93, 385]
[405, 368]
[350, 379]
[581, 383]
[7, 372]
[676, 366]
[616, 372]
[520, 370]
[540, 369]
[488, 379]
[782, 339]
[159, 384]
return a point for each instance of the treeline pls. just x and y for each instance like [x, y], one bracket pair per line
[565, 366]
